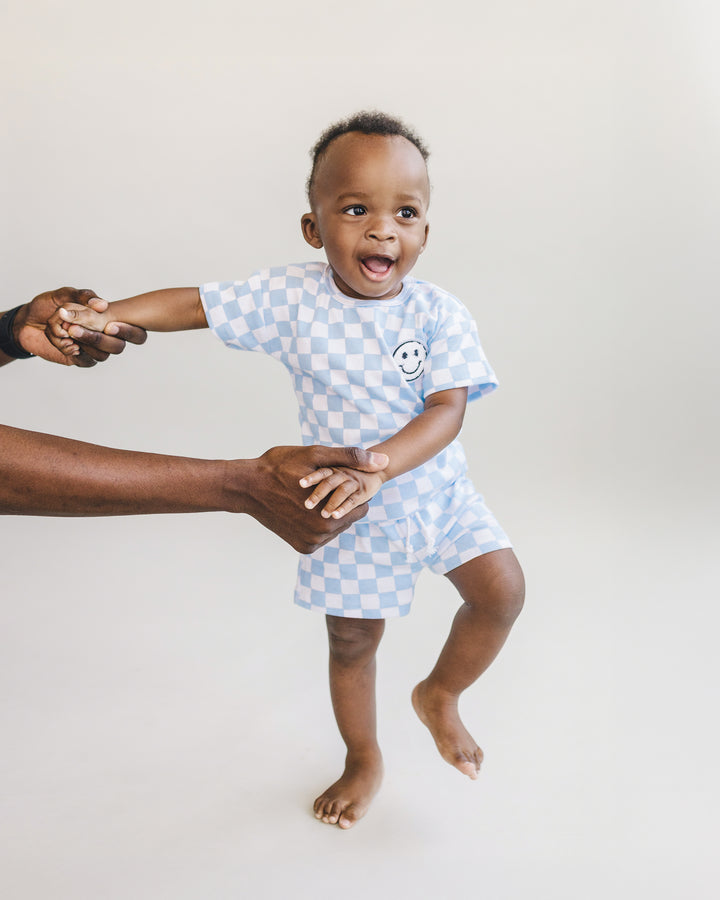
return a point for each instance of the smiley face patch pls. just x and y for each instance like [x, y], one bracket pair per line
[410, 358]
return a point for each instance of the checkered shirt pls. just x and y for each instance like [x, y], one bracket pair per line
[361, 369]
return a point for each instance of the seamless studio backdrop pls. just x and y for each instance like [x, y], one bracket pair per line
[164, 712]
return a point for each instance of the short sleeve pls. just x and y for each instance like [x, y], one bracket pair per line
[252, 314]
[455, 356]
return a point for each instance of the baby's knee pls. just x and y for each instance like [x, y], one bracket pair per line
[494, 584]
[505, 592]
[353, 641]
[512, 590]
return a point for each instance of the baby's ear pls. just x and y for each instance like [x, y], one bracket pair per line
[310, 230]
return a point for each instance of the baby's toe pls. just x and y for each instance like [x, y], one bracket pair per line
[330, 818]
[348, 818]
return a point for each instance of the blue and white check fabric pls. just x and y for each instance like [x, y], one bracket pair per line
[370, 570]
[361, 369]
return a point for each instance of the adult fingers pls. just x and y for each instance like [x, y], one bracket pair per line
[352, 457]
[56, 333]
[97, 344]
[326, 530]
[130, 333]
[83, 360]
[77, 295]
[94, 302]
[357, 512]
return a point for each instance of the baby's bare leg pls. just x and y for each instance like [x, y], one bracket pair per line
[492, 588]
[353, 643]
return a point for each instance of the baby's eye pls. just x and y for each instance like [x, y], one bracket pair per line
[355, 210]
[407, 212]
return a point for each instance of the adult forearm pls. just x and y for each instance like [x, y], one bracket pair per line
[45, 475]
[10, 348]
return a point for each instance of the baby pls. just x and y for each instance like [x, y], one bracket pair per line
[385, 361]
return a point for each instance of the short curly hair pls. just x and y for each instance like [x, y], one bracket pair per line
[366, 122]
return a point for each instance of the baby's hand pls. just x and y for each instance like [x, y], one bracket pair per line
[346, 488]
[58, 329]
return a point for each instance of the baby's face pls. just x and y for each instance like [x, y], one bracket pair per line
[370, 199]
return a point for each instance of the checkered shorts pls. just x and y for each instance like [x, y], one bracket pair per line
[370, 570]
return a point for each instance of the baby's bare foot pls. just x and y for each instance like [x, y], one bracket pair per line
[346, 801]
[455, 743]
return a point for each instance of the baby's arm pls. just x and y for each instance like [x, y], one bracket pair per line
[421, 439]
[174, 309]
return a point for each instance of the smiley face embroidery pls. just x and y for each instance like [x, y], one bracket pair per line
[410, 357]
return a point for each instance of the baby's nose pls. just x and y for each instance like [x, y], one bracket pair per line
[382, 228]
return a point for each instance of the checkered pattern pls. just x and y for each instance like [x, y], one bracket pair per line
[353, 384]
[370, 570]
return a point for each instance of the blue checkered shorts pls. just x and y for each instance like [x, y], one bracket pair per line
[370, 570]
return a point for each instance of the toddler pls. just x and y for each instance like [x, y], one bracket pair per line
[385, 361]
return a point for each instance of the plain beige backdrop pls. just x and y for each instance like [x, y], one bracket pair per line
[164, 722]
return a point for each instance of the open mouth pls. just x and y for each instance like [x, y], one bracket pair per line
[378, 265]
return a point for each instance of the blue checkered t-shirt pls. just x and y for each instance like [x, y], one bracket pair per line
[361, 369]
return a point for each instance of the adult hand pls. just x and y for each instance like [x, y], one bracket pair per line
[46, 475]
[271, 492]
[31, 321]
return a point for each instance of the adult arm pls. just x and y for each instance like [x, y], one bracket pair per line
[45, 475]
[27, 331]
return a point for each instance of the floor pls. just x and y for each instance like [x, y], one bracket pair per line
[164, 734]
